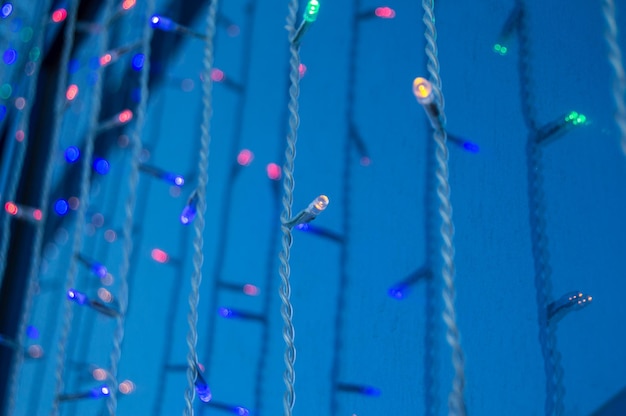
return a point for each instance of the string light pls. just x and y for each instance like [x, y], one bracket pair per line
[318, 205]
[101, 165]
[230, 313]
[510, 26]
[72, 154]
[465, 144]
[310, 16]
[159, 255]
[126, 387]
[359, 389]
[117, 120]
[423, 90]
[6, 10]
[72, 92]
[245, 157]
[560, 126]
[401, 289]
[168, 25]
[59, 15]
[202, 387]
[171, 178]
[385, 12]
[138, 61]
[95, 393]
[248, 288]
[10, 56]
[61, 207]
[571, 301]
[23, 212]
[113, 55]
[237, 410]
[190, 209]
[82, 299]
[98, 269]
[273, 171]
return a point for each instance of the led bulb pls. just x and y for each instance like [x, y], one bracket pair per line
[423, 90]
[318, 205]
[571, 301]
[190, 210]
[77, 296]
[162, 23]
[101, 391]
[312, 9]
[202, 388]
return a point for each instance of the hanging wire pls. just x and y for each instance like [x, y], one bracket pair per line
[35, 261]
[133, 179]
[456, 401]
[615, 60]
[286, 310]
[21, 152]
[80, 214]
[203, 179]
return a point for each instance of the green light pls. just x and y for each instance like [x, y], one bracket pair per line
[5, 91]
[575, 118]
[312, 8]
[26, 34]
[571, 116]
[580, 119]
[501, 49]
[34, 54]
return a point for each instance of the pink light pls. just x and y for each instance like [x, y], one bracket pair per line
[127, 4]
[250, 290]
[11, 208]
[217, 75]
[59, 15]
[125, 116]
[19, 135]
[365, 161]
[159, 255]
[232, 30]
[105, 59]
[273, 171]
[37, 214]
[244, 158]
[72, 92]
[385, 12]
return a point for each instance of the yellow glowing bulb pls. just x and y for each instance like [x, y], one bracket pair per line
[422, 89]
[321, 202]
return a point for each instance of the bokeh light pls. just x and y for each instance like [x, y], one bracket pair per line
[273, 171]
[59, 15]
[101, 166]
[217, 75]
[61, 207]
[72, 154]
[6, 10]
[245, 157]
[10, 56]
[72, 92]
[138, 60]
[159, 255]
[11, 208]
[385, 12]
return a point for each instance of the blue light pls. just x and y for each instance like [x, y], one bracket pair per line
[101, 391]
[138, 60]
[101, 166]
[73, 66]
[77, 296]
[241, 411]
[398, 291]
[72, 154]
[3, 112]
[163, 23]
[32, 332]
[471, 147]
[6, 10]
[61, 207]
[174, 179]
[99, 270]
[9, 56]
[227, 313]
[190, 211]
[303, 227]
[202, 388]
[371, 391]
[135, 95]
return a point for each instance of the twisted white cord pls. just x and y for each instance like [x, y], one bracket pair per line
[80, 214]
[286, 310]
[203, 179]
[615, 59]
[35, 261]
[133, 179]
[456, 401]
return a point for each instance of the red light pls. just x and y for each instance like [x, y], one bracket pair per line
[273, 171]
[125, 116]
[72, 92]
[302, 70]
[11, 208]
[105, 59]
[159, 256]
[250, 290]
[385, 12]
[244, 158]
[59, 15]
[217, 75]
[37, 214]
[127, 4]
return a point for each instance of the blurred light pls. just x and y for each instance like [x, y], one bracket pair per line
[72, 154]
[128, 4]
[126, 387]
[241, 411]
[123, 141]
[32, 332]
[98, 269]
[73, 65]
[217, 75]
[74, 203]
[302, 70]
[19, 135]
[371, 391]
[6, 91]
[365, 161]
[125, 116]
[105, 59]
[6, 10]
[159, 255]
[59, 15]
[107, 280]
[232, 30]
[61, 207]
[3, 112]
[250, 290]
[105, 295]
[35, 351]
[77, 296]
[190, 211]
[576, 118]
[471, 147]
[187, 84]
[385, 12]
[163, 23]
[226, 312]
[500, 49]
[97, 219]
[398, 291]
[245, 157]
[99, 374]
[9, 56]
[99, 392]
[37, 214]
[110, 236]
[138, 60]
[26, 34]
[273, 171]
[422, 89]
[311, 11]
[101, 166]
[20, 103]
[11, 208]
[34, 54]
